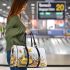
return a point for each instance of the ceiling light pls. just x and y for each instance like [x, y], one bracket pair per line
[32, 5]
[7, 13]
[68, 7]
[65, 9]
[8, 7]
[4, 15]
[4, 4]
[67, 13]
[0, 9]
[4, 11]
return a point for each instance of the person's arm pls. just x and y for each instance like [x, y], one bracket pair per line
[14, 27]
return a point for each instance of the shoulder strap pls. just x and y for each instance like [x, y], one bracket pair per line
[35, 45]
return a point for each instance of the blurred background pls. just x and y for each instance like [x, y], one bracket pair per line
[55, 37]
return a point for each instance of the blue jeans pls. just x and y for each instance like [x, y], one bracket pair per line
[14, 68]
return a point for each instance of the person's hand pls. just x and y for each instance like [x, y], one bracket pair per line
[28, 31]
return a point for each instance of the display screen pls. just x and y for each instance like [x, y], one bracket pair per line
[55, 10]
[52, 28]
[55, 24]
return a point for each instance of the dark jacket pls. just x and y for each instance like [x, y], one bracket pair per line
[15, 32]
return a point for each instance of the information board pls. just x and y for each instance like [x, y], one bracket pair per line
[51, 10]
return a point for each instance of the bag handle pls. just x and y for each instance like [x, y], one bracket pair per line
[32, 36]
[27, 53]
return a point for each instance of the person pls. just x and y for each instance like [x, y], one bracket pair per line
[15, 29]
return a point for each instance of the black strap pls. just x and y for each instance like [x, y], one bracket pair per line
[31, 42]
[32, 36]
[27, 54]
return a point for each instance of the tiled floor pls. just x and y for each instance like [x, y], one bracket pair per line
[56, 68]
[4, 68]
[48, 68]
[58, 59]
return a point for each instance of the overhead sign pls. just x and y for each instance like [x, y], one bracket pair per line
[51, 10]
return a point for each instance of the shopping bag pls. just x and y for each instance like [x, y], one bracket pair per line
[26, 56]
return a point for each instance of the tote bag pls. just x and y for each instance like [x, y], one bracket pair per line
[28, 56]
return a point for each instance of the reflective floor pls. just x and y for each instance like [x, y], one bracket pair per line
[58, 59]
[57, 50]
[53, 45]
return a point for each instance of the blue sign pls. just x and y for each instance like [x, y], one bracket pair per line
[55, 32]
